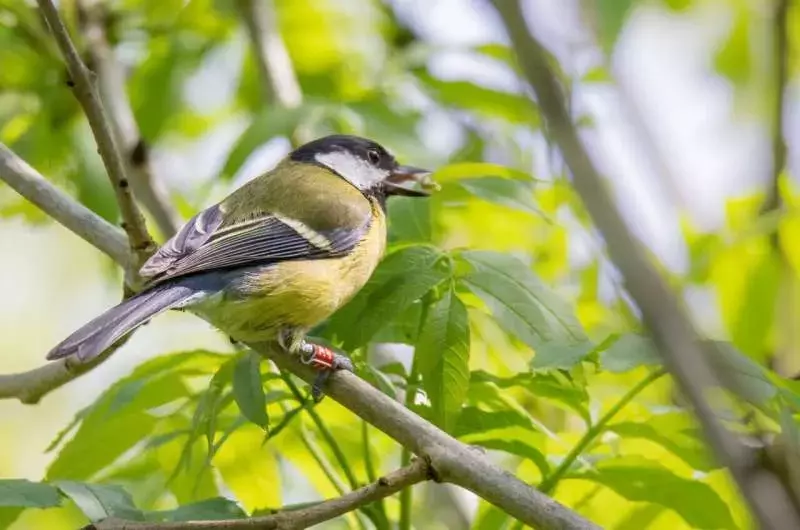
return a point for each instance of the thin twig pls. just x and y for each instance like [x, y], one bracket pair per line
[596, 430]
[785, 305]
[344, 465]
[85, 223]
[278, 80]
[279, 84]
[418, 471]
[140, 241]
[111, 87]
[677, 340]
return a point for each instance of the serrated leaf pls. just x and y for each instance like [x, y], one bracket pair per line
[640, 480]
[207, 510]
[518, 448]
[629, 352]
[676, 433]
[400, 280]
[523, 305]
[100, 501]
[560, 356]
[442, 355]
[474, 420]
[516, 194]
[550, 385]
[248, 390]
[24, 493]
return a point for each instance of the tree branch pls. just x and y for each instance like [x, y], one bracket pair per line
[679, 343]
[31, 386]
[141, 243]
[450, 460]
[278, 80]
[26, 181]
[111, 87]
[418, 471]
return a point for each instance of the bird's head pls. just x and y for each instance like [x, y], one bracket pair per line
[366, 165]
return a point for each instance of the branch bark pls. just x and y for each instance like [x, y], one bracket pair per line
[405, 477]
[679, 343]
[111, 88]
[140, 241]
[26, 181]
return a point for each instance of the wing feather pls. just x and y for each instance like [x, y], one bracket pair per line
[204, 244]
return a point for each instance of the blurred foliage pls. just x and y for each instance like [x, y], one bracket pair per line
[520, 347]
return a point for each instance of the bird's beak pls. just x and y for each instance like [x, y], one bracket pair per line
[394, 184]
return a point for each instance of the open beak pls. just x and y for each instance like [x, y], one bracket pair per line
[396, 182]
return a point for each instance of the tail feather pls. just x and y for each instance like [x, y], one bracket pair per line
[98, 335]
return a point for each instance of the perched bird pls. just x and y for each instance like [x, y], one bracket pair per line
[276, 257]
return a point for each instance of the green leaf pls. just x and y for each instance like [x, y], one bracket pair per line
[248, 390]
[409, 220]
[215, 509]
[400, 280]
[733, 59]
[518, 448]
[492, 104]
[271, 122]
[516, 194]
[442, 355]
[676, 433]
[551, 385]
[24, 493]
[560, 356]
[629, 352]
[119, 418]
[475, 170]
[612, 15]
[640, 480]
[473, 420]
[523, 305]
[738, 371]
[755, 315]
[99, 501]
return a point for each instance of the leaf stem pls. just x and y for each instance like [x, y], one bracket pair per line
[596, 430]
[326, 434]
[380, 507]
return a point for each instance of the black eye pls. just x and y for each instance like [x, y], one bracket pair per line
[374, 156]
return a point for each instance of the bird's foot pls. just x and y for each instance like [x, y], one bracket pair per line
[326, 361]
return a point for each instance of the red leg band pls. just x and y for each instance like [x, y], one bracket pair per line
[322, 359]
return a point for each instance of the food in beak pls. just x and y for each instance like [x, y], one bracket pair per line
[395, 183]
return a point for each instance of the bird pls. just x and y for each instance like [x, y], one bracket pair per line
[276, 257]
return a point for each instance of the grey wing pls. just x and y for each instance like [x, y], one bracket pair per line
[266, 239]
[189, 238]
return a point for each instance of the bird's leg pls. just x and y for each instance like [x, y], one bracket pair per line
[323, 359]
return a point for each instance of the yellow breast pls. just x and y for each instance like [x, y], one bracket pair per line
[302, 294]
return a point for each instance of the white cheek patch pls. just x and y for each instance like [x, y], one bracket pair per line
[356, 171]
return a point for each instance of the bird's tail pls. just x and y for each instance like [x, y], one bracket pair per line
[98, 335]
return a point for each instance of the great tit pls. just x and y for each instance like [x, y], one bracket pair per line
[276, 257]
